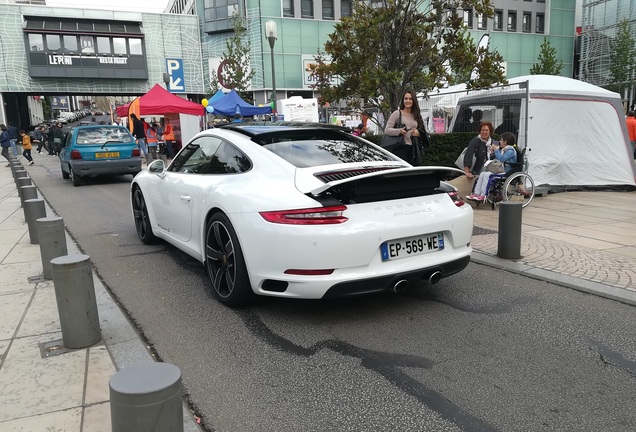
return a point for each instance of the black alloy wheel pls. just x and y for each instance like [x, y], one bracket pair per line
[224, 263]
[142, 220]
[77, 180]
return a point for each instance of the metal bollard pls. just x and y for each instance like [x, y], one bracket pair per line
[26, 193]
[509, 239]
[24, 182]
[146, 398]
[33, 210]
[76, 303]
[19, 173]
[52, 237]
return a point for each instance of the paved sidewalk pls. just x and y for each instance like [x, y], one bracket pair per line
[582, 240]
[43, 386]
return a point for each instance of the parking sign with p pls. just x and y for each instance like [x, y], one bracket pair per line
[176, 81]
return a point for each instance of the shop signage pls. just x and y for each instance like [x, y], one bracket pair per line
[74, 60]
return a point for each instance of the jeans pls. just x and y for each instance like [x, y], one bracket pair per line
[152, 151]
[169, 149]
[13, 147]
[5, 153]
[27, 155]
[141, 143]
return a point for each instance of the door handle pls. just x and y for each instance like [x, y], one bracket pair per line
[185, 198]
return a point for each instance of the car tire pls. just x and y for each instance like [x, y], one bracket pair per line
[142, 219]
[77, 180]
[224, 263]
[65, 175]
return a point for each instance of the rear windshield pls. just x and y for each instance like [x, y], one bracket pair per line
[101, 135]
[309, 153]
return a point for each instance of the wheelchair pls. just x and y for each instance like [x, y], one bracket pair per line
[515, 185]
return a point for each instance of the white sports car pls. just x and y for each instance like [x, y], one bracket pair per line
[303, 212]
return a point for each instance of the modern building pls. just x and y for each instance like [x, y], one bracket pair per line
[68, 53]
[516, 31]
[600, 20]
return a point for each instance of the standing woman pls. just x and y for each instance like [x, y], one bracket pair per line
[480, 147]
[411, 125]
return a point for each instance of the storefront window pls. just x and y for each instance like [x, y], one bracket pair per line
[119, 45]
[135, 46]
[70, 43]
[103, 45]
[36, 43]
[53, 43]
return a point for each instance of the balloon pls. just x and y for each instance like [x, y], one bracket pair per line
[204, 102]
[209, 109]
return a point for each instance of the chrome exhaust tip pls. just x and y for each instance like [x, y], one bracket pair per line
[434, 277]
[400, 286]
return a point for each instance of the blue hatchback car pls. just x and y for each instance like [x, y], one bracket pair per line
[98, 150]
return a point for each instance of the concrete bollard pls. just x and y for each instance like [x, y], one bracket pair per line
[146, 398]
[26, 193]
[52, 237]
[76, 303]
[22, 181]
[33, 210]
[19, 173]
[509, 239]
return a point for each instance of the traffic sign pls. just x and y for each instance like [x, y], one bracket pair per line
[176, 82]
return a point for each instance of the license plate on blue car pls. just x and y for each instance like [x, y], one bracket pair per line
[411, 246]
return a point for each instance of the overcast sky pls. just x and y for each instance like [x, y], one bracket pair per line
[123, 5]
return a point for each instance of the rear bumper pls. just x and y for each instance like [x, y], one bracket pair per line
[386, 282]
[121, 166]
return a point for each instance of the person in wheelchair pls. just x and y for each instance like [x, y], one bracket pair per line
[504, 153]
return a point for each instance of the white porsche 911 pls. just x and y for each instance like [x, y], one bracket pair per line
[302, 212]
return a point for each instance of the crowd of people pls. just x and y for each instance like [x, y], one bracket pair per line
[48, 139]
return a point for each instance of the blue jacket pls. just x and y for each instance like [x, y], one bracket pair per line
[13, 132]
[508, 156]
[4, 139]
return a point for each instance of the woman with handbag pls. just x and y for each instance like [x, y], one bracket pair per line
[506, 154]
[404, 124]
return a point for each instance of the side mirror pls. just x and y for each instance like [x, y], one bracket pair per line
[156, 167]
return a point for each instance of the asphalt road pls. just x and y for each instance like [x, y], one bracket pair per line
[482, 350]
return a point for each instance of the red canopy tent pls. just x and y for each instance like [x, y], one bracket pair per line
[159, 101]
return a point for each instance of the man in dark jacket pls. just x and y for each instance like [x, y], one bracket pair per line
[13, 137]
[139, 132]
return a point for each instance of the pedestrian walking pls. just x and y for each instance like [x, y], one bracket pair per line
[13, 138]
[168, 137]
[153, 141]
[37, 139]
[139, 133]
[26, 146]
[5, 142]
[631, 128]
[56, 139]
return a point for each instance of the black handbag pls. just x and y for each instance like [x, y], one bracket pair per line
[390, 142]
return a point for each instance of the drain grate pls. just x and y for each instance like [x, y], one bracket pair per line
[35, 279]
[482, 231]
[54, 348]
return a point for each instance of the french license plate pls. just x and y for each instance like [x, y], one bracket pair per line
[107, 155]
[411, 246]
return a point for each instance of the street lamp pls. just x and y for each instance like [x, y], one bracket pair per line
[271, 34]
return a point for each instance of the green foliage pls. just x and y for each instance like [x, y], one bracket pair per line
[622, 56]
[237, 73]
[445, 148]
[547, 62]
[389, 46]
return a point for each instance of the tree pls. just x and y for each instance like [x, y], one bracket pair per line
[389, 46]
[622, 54]
[547, 62]
[235, 61]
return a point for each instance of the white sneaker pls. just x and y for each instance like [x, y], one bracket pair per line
[31, 163]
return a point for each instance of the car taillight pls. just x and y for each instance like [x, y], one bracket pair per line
[302, 272]
[457, 199]
[75, 154]
[310, 216]
[136, 152]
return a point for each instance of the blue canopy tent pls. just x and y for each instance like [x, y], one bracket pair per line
[218, 95]
[232, 103]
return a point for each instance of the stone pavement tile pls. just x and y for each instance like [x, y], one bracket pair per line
[97, 418]
[8, 239]
[24, 251]
[15, 221]
[33, 385]
[574, 239]
[100, 369]
[13, 307]
[624, 251]
[598, 232]
[4, 345]
[15, 277]
[42, 316]
[58, 421]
